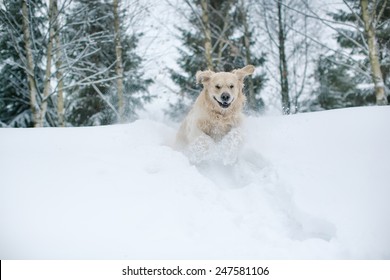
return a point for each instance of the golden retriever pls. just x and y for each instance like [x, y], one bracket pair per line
[216, 112]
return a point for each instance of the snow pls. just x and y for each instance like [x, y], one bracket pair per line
[308, 186]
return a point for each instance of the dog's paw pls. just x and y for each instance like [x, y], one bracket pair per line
[230, 146]
[199, 150]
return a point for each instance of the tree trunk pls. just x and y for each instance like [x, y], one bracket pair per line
[207, 35]
[119, 65]
[286, 106]
[46, 88]
[376, 73]
[59, 75]
[221, 39]
[30, 64]
[251, 92]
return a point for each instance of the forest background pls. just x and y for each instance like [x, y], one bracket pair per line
[83, 63]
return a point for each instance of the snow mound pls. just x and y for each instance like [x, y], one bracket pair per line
[310, 186]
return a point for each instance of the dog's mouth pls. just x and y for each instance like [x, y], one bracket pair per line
[223, 104]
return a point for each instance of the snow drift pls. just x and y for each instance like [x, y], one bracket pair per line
[309, 186]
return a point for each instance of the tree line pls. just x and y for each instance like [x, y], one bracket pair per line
[76, 62]
[68, 63]
[283, 39]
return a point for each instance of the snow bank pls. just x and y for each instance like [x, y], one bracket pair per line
[310, 186]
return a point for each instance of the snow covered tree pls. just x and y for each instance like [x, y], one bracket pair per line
[32, 45]
[371, 16]
[21, 54]
[52, 15]
[58, 63]
[289, 34]
[119, 63]
[30, 63]
[364, 34]
[218, 38]
[338, 85]
[283, 70]
[92, 44]
[242, 18]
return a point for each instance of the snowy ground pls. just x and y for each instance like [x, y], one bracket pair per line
[309, 186]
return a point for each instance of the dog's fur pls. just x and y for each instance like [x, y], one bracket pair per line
[213, 114]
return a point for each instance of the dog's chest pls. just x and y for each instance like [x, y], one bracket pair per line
[216, 129]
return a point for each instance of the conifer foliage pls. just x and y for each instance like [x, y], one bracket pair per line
[219, 39]
[72, 47]
[79, 62]
[346, 78]
[93, 99]
[15, 106]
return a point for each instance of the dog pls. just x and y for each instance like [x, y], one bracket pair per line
[216, 113]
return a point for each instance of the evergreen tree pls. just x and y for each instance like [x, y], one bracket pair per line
[383, 40]
[92, 96]
[339, 85]
[15, 109]
[246, 45]
[355, 66]
[216, 41]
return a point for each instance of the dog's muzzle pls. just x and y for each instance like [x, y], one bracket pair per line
[225, 100]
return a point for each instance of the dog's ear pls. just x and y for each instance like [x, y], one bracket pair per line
[203, 76]
[243, 72]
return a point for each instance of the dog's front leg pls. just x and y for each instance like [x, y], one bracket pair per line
[230, 146]
[199, 149]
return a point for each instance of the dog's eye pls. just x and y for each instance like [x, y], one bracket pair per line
[231, 86]
[218, 86]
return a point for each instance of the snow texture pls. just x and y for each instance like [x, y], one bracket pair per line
[309, 186]
[205, 149]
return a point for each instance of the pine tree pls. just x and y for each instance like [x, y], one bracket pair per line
[92, 96]
[219, 41]
[15, 108]
[255, 83]
[359, 47]
[338, 85]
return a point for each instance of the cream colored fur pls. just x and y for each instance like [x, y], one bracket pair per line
[207, 117]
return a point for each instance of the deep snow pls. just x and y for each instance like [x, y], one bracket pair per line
[308, 186]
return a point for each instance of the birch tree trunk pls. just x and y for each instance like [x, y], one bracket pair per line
[30, 63]
[376, 73]
[207, 34]
[58, 63]
[119, 64]
[46, 88]
[286, 106]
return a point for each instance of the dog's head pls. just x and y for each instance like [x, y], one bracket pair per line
[224, 88]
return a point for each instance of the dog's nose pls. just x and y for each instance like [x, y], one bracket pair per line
[225, 96]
